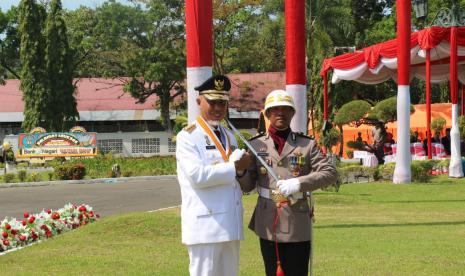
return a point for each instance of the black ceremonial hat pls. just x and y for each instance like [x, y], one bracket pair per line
[215, 88]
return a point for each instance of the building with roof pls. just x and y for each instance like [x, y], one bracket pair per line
[130, 128]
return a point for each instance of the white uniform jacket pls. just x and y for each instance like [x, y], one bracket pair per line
[211, 209]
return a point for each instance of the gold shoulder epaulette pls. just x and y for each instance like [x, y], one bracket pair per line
[306, 136]
[257, 136]
[190, 128]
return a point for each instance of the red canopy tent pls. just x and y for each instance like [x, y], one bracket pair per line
[430, 59]
[378, 63]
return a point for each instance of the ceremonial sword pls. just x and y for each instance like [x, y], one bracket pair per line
[260, 159]
[276, 195]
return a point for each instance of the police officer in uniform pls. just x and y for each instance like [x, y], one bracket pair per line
[281, 218]
[207, 162]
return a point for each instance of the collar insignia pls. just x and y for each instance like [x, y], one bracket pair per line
[207, 141]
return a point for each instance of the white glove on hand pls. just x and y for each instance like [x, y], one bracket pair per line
[236, 155]
[289, 186]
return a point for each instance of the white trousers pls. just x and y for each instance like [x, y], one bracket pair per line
[214, 259]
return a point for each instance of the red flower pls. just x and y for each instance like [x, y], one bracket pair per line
[6, 242]
[44, 227]
[22, 238]
[48, 234]
[24, 222]
[34, 236]
[7, 226]
[5, 234]
[26, 215]
[32, 219]
[49, 211]
[98, 216]
[13, 232]
[80, 217]
[55, 215]
[82, 208]
[91, 214]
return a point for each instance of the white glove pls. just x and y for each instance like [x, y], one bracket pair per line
[236, 155]
[289, 186]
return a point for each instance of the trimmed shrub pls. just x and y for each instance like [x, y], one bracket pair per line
[8, 178]
[78, 171]
[386, 171]
[127, 173]
[356, 145]
[346, 172]
[50, 176]
[437, 124]
[34, 177]
[421, 170]
[22, 175]
[70, 171]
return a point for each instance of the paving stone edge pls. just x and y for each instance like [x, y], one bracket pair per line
[88, 181]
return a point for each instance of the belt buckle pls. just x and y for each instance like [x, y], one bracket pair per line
[277, 197]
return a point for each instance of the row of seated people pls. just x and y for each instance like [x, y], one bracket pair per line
[437, 139]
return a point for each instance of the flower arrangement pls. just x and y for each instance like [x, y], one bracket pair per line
[48, 223]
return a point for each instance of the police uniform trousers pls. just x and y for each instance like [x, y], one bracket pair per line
[294, 257]
[214, 259]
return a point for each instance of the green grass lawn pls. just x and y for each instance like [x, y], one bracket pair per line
[364, 229]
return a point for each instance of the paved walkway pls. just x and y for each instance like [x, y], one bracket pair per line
[107, 196]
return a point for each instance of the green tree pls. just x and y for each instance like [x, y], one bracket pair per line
[153, 40]
[59, 65]
[9, 45]
[438, 123]
[249, 36]
[351, 113]
[33, 74]
[330, 24]
[80, 26]
[360, 112]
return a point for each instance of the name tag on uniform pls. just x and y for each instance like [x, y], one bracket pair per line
[263, 153]
[210, 147]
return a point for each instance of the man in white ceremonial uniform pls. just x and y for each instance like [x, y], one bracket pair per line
[207, 162]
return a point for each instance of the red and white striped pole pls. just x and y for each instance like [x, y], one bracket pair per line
[199, 44]
[455, 167]
[402, 172]
[428, 102]
[296, 78]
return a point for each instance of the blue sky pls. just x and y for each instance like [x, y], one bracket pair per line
[67, 4]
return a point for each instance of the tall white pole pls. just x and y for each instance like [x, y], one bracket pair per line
[402, 172]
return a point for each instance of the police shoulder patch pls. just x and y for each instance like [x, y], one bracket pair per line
[190, 128]
[300, 134]
[257, 136]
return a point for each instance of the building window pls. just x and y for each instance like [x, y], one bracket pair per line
[147, 145]
[171, 145]
[110, 145]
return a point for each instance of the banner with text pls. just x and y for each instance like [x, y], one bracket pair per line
[57, 144]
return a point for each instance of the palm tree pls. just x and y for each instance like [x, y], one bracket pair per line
[330, 23]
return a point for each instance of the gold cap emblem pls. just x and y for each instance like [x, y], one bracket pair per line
[219, 85]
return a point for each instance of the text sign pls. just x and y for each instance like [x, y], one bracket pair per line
[57, 144]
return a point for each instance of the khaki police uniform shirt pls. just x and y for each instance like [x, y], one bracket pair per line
[299, 158]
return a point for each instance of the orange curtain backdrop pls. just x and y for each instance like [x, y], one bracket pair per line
[417, 123]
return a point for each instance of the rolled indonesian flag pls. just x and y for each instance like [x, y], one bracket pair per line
[296, 78]
[199, 44]
[402, 172]
[455, 167]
